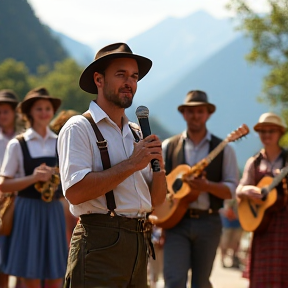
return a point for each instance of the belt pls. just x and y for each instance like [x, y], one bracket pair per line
[105, 220]
[197, 213]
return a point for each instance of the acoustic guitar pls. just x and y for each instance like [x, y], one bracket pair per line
[255, 215]
[179, 195]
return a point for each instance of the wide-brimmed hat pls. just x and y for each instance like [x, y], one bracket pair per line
[37, 94]
[197, 98]
[8, 96]
[270, 119]
[112, 51]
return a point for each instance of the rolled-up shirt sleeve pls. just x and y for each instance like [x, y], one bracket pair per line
[12, 165]
[75, 155]
[230, 171]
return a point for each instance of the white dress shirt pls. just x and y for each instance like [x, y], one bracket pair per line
[195, 153]
[79, 155]
[13, 166]
[3, 143]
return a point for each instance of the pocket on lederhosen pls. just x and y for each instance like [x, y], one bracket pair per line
[74, 277]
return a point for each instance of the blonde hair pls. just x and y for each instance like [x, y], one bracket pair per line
[61, 119]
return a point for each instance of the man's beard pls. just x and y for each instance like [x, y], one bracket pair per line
[196, 128]
[125, 102]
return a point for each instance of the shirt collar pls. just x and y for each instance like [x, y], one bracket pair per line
[1, 134]
[32, 134]
[98, 115]
[207, 137]
[264, 155]
[96, 112]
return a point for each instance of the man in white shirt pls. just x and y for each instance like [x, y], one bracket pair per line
[108, 246]
[8, 103]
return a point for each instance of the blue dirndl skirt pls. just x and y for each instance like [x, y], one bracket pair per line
[37, 247]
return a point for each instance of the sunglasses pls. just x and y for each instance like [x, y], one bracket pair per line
[270, 131]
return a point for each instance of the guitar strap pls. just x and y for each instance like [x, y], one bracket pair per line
[258, 157]
[284, 155]
[284, 180]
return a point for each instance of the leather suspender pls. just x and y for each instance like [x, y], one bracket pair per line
[102, 145]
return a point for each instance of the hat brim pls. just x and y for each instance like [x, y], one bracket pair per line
[12, 102]
[26, 104]
[258, 126]
[86, 81]
[211, 107]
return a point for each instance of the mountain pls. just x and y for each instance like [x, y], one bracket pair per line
[81, 53]
[177, 45]
[195, 52]
[155, 125]
[231, 84]
[98, 44]
[24, 38]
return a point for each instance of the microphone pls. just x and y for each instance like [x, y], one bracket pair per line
[142, 113]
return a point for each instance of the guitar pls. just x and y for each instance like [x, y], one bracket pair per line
[254, 215]
[168, 214]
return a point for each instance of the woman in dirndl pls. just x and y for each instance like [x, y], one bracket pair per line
[36, 250]
[268, 260]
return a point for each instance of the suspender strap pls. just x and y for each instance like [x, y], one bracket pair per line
[23, 145]
[102, 145]
[136, 136]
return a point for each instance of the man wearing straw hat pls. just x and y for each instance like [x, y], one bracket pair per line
[192, 243]
[107, 177]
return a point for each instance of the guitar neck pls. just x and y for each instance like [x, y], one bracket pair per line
[216, 151]
[278, 179]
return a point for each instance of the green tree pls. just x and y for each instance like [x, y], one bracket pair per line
[62, 82]
[25, 38]
[269, 33]
[15, 75]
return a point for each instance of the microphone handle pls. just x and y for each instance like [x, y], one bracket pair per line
[145, 128]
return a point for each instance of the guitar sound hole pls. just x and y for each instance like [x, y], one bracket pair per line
[177, 185]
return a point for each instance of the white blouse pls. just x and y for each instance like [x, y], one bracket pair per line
[13, 166]
[3, 143]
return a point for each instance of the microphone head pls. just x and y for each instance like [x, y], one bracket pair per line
[142, 112]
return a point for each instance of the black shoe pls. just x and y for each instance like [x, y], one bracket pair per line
[236, 262]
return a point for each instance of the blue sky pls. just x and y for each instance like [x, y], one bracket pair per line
[89, 21]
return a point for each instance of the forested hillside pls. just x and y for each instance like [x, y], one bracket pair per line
[24, 38]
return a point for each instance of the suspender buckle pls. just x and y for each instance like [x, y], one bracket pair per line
[111, 213]
[102, 144]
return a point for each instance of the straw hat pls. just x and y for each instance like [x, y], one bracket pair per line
[270, 119]
[197, 98]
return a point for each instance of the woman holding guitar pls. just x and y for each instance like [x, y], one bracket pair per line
[268, 260]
